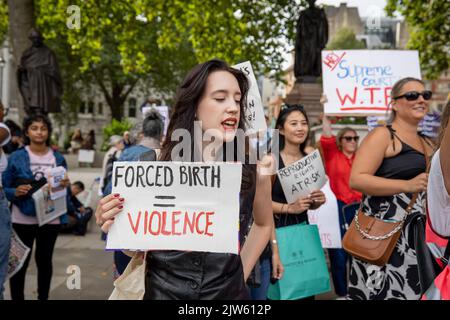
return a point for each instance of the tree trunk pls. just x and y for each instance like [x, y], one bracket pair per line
[114, 93]
[117, 99]
[21, 20]
[116, 110]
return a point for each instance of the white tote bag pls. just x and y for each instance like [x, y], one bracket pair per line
[131, 283]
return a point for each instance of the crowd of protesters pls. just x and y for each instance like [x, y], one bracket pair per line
[383, 176]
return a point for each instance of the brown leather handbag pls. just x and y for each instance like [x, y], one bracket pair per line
[373, 240]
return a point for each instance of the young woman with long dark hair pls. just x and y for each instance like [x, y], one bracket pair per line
[214, 94]
[293, 126]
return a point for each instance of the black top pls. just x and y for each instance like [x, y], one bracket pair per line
[203, 275]
[406, 165]
[282, 220]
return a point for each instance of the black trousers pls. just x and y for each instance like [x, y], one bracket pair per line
[45, 237]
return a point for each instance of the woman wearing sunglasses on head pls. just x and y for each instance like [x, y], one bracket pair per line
[339, 153]
[293, 126]
[389, 169]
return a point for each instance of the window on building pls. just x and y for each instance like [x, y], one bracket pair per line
[82, 107]
[91, 107]
[132, 108]
[100, 108]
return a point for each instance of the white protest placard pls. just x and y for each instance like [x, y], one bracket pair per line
[359, 82]
[254, 114]
[47, 209]
[326, 217]
[177, 206]
[163, 111]
[375, 121]
[54, 177]
[86, 156]
[429, 126]
[302, 177]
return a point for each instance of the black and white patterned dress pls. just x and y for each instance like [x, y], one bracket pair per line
[398, 279]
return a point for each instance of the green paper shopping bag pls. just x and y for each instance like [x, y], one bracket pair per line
[305, 269]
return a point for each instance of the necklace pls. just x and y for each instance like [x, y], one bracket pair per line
[289, 159]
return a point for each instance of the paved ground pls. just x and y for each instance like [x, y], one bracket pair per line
[85, 255]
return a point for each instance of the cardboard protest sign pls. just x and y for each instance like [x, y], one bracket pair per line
[255, 112]
[429, 126]
[359, 82]
[177, 206]
[375, 121]
[326, 217]
[48, 209]
[163, 111]
[302, 177]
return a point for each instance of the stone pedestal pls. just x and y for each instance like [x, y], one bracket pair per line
[308, 95]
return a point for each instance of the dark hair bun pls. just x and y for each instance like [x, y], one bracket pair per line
[153, 114]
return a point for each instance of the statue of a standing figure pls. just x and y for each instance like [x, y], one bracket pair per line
[39, 80]
[312, 37]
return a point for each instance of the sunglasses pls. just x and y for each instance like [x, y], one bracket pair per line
[414, 95]
[292, 106]
[349, 139]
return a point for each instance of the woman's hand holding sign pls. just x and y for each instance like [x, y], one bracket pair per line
[65, 182]
[107, 209]
[302, 204]
[313, 201]
[318, 199]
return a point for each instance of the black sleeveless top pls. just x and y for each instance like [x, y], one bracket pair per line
[282, 220]
[408, 164]
[174, 275]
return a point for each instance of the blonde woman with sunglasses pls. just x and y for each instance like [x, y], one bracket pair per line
[388, 169]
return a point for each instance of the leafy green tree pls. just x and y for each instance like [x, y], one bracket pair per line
[3, 20]
[345, 39]
[121, 44]
[429, 24]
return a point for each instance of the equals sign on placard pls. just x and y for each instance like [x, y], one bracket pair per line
[164, 205]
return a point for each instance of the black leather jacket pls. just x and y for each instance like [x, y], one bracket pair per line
[203, 275]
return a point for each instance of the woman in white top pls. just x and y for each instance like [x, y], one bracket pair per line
[439, 180]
